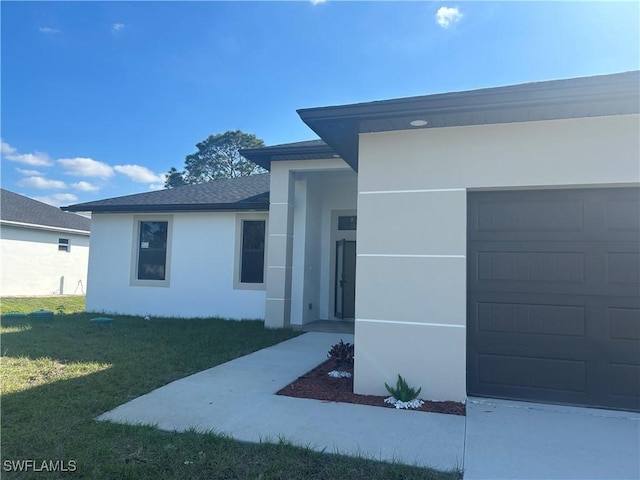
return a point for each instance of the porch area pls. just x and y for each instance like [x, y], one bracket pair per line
[327, 326]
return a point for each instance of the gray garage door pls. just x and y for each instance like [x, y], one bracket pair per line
[553, 296]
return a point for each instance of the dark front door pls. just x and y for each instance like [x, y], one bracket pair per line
[345, 297]
[553, 296]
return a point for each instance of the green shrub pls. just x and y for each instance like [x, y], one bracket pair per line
[403, 391]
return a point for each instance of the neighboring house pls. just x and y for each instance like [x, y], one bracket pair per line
[498, 241]
[43, 250]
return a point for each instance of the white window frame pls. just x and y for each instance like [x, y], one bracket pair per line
[137, 221]
[240, 218]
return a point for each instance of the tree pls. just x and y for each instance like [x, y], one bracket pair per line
[217, 157]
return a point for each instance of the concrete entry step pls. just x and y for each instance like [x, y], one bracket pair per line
[327, 326]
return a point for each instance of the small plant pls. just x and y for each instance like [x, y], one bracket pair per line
[403, 396]
[60, 309]
[342, 353]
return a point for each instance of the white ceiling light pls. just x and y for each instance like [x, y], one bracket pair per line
[418, 123]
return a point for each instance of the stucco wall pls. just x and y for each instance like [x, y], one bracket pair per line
[411, 269]
[201, 282]
[33, 265]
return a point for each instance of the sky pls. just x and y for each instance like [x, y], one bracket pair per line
[100, 99]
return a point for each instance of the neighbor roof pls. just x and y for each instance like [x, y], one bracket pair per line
[307, 150]
[339, 126]
[18, 209]
[241, 193]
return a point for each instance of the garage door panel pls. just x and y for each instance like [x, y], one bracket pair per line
[585, 268]
[623, 268]
[551, 215]
[533, 318]
[554, 296]
[623, 215]
[533, 373]
[624, 381]
[624, 323]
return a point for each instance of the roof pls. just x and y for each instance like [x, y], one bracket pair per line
[18, 209]
[307, 150]
[241, 193]
[339, 126]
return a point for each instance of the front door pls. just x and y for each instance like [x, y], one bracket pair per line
[345, 279]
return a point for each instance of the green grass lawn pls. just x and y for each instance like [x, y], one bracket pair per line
[57, 304]
[58, 375]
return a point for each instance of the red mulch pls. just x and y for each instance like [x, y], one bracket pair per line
[319, 385]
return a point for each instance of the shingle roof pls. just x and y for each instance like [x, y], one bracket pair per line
[21, 209]
[241, 193]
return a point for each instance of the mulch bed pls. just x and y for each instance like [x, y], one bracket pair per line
[319, 385]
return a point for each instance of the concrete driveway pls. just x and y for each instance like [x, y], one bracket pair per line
[518, 440]
[496, 440]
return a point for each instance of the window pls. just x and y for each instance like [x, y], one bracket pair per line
[252, 256]
[63, 245]
[347, 222]
[250, 264]
[151, 253]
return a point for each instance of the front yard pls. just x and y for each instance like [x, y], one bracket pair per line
[58, 375]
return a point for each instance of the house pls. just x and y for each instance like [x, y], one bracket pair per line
[43, 250]
[497, 252]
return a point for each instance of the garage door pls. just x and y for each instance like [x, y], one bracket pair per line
[553, 296]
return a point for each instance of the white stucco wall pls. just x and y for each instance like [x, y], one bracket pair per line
[31, 263]
[412, 214]
[202, 265]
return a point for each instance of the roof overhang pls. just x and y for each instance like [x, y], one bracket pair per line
[339, 126]
[48, 228]
[200, 207]
[265, 155]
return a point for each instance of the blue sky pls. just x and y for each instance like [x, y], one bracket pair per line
[99, 99]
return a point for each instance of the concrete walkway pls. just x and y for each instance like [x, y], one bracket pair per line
[496, 440]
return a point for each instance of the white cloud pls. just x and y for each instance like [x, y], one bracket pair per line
[447, 16]
[41, 183]
[316, 2]
[6, 149]
[36, 159]
[29, 173]
[49, 30]
[116, 27]
[85, 186]
[86, 167]
[58, 199]
[139, 174]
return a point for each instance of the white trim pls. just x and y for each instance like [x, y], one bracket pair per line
[280, 203]
[277, 266]
[368, 320]
[280, 235]
[44, 227]
[429, 190]
[394, 255]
